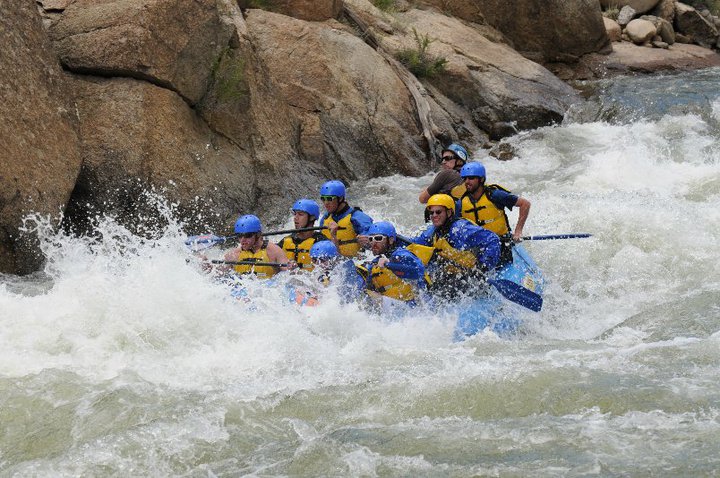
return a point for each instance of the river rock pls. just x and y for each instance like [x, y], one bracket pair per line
[691, 23]
[542, 30]
[627, 13]
[170, 43]
[663, 27]
[640, 31]
[490, 79]
[613, 28]
[38, 139]
[640, 6]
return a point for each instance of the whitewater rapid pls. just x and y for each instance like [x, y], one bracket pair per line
[124, 358]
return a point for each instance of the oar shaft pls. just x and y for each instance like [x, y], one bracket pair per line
[291, 231]
[250, 263]
[556, 236]
[549, 237]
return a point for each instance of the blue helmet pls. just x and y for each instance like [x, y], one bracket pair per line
[458, 151]
[384, 228]
[247, 224]
[472, 169]
[323, 250]
[307, 205]
[333, 188]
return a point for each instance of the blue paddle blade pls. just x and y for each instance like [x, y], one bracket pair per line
[205, 241]
[518, 294]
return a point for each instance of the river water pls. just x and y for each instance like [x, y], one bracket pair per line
[123, 359]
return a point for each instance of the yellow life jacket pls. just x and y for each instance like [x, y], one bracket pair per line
[485, 213]
[458, 191]
[459, 261]
[424, 253]
[260, 256]
[347, 237]
[299, 252]
[385, 282]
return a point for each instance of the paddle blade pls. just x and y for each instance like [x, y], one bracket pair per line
[518, 294]
[205, 241]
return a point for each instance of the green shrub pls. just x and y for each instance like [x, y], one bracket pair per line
[384, 5]
[228, 73]
[612, 12]
[419, 61]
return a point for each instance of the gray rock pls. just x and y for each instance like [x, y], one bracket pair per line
[626, 15]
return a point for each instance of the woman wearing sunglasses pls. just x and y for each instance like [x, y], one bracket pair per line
[448, 180]
[395, 272]
[464, 252]
[254, 248]
[346, 226]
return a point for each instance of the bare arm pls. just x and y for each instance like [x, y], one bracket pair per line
[424, 196]
[276, 254]
[524, 206]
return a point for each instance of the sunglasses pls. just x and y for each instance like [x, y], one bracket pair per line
[442, 159]
[435, 213]
[247, 235]
[376, 238]
[327, 198]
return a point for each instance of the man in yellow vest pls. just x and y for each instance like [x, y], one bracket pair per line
[297, 245]
[254, 248]
[395, 272]
[346, 226]
[448, 180]
[464, 252]
[485, 204]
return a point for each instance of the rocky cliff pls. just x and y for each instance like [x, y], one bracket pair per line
[225, 108]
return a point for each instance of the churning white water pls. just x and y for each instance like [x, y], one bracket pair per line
[124, 359]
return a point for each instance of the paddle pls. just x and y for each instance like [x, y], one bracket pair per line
[518, 294]
[549, 237]
[510, 290]
[250, 263]
[206, 241]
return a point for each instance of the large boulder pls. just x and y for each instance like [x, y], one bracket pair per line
[356, 116]
[39, 153]
[640, 31]
[138, 137]
[494, 82]
[171, 43]
[640, 6]
[311, 10]
[542, 30]
[691, 23]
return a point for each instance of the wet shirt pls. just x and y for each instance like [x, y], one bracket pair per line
[444, 181]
